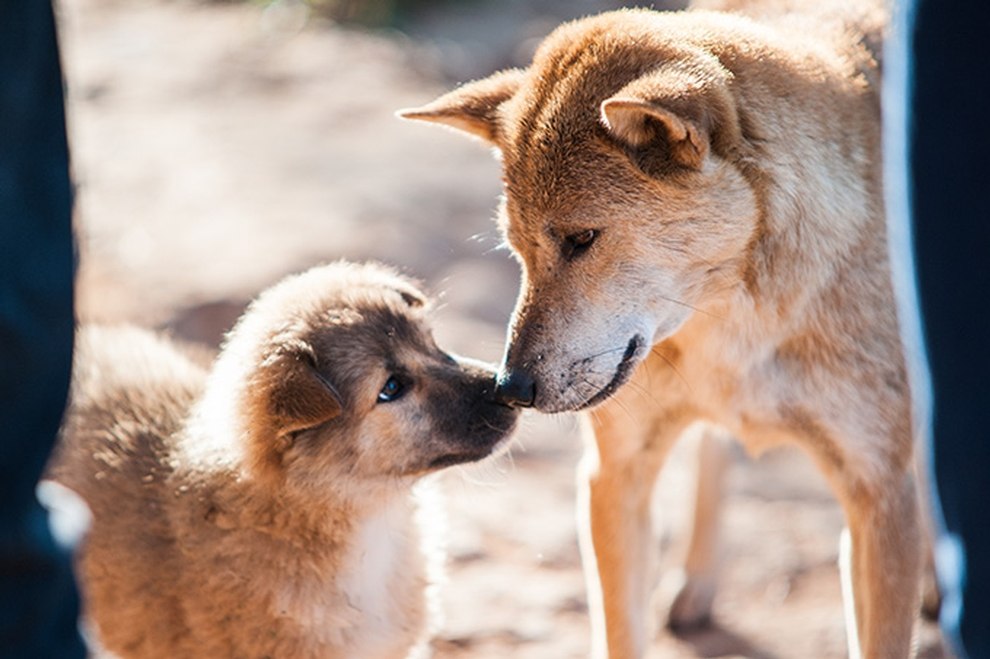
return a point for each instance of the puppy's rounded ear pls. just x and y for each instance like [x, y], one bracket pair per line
[674, 115]
[414, 299]
[473, 107]
[290, 393]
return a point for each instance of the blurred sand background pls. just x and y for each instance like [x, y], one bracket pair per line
[217, 147]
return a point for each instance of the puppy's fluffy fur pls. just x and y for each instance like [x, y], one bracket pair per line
[696, 202]
[267, 508]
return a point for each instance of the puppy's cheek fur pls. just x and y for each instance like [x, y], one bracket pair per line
[390, 441]
[315, 458]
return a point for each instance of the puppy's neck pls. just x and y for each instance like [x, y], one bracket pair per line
[333, 520]
[215, 446]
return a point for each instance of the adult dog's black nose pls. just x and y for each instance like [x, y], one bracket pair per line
[515, 389]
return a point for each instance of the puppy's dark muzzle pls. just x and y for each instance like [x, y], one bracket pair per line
[515, 389]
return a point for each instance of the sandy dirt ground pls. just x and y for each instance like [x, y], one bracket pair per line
[218, 147]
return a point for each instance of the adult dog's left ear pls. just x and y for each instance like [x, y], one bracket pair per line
[677, 112]
[473, 107]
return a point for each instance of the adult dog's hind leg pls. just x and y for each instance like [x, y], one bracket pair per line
[931, 598]
[692, 588]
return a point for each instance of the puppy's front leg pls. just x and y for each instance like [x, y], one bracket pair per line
[615, 487]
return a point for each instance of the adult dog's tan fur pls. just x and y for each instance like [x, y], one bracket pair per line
[695, 200]
[267, 508]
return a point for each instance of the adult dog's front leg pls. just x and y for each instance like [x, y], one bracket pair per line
[883, 567]
[615, 488]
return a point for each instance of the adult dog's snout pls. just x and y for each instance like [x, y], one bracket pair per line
[515, 388]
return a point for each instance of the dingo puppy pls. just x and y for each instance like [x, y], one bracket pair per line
[267, 508]
[695, 201]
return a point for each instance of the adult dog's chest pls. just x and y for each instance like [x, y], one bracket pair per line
[743, 386]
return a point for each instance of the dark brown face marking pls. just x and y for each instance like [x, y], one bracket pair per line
[461, 404]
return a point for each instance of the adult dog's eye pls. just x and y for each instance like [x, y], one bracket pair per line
[578, 243]
[393, 390]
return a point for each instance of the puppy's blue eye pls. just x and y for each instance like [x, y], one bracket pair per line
[393, 390]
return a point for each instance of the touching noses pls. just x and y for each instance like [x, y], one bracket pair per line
[515, 388]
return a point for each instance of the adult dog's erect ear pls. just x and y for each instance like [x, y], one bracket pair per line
[641, 123]
[680, 110]
[473, 107]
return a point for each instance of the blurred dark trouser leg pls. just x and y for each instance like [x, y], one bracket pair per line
[949, 169]
[38, 601]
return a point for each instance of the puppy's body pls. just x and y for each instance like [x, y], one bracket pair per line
[269, 507]
[695, 199]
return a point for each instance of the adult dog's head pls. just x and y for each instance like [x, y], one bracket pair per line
[622, 202]
[333, 375]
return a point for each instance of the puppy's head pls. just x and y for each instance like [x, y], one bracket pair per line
[336, 376]
[624, 202]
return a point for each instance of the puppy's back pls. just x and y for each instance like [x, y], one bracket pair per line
[131, 392]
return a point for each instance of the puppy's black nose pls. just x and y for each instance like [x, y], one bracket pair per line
[515, 389]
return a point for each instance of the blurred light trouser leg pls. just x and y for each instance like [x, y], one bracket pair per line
[937, 142]
[38, 602]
